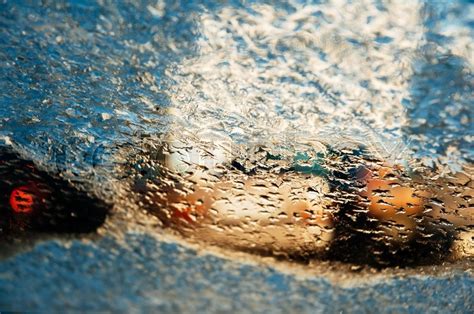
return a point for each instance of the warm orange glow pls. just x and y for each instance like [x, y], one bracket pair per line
[388, 197]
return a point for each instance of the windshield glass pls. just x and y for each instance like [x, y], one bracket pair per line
[334, 131]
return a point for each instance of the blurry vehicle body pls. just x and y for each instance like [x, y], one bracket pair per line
[32, 199]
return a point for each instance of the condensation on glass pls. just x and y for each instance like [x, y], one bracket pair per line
[333, 130]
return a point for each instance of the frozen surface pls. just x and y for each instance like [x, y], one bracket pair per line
[307, 131]
[146, 275]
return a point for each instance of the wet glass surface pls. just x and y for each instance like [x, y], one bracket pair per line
[339, 131]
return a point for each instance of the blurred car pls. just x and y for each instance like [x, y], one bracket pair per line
[343, 205]
[33, 199]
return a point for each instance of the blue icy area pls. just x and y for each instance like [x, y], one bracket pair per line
[80, 79]
[66, 68]
[147, 275]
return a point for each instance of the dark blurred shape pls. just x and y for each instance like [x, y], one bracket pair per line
[363, 237]
[34, 200]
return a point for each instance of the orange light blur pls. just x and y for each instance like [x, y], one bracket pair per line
[388, 197]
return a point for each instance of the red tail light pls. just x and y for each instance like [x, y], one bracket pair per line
[36, 200]
[22, 199]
